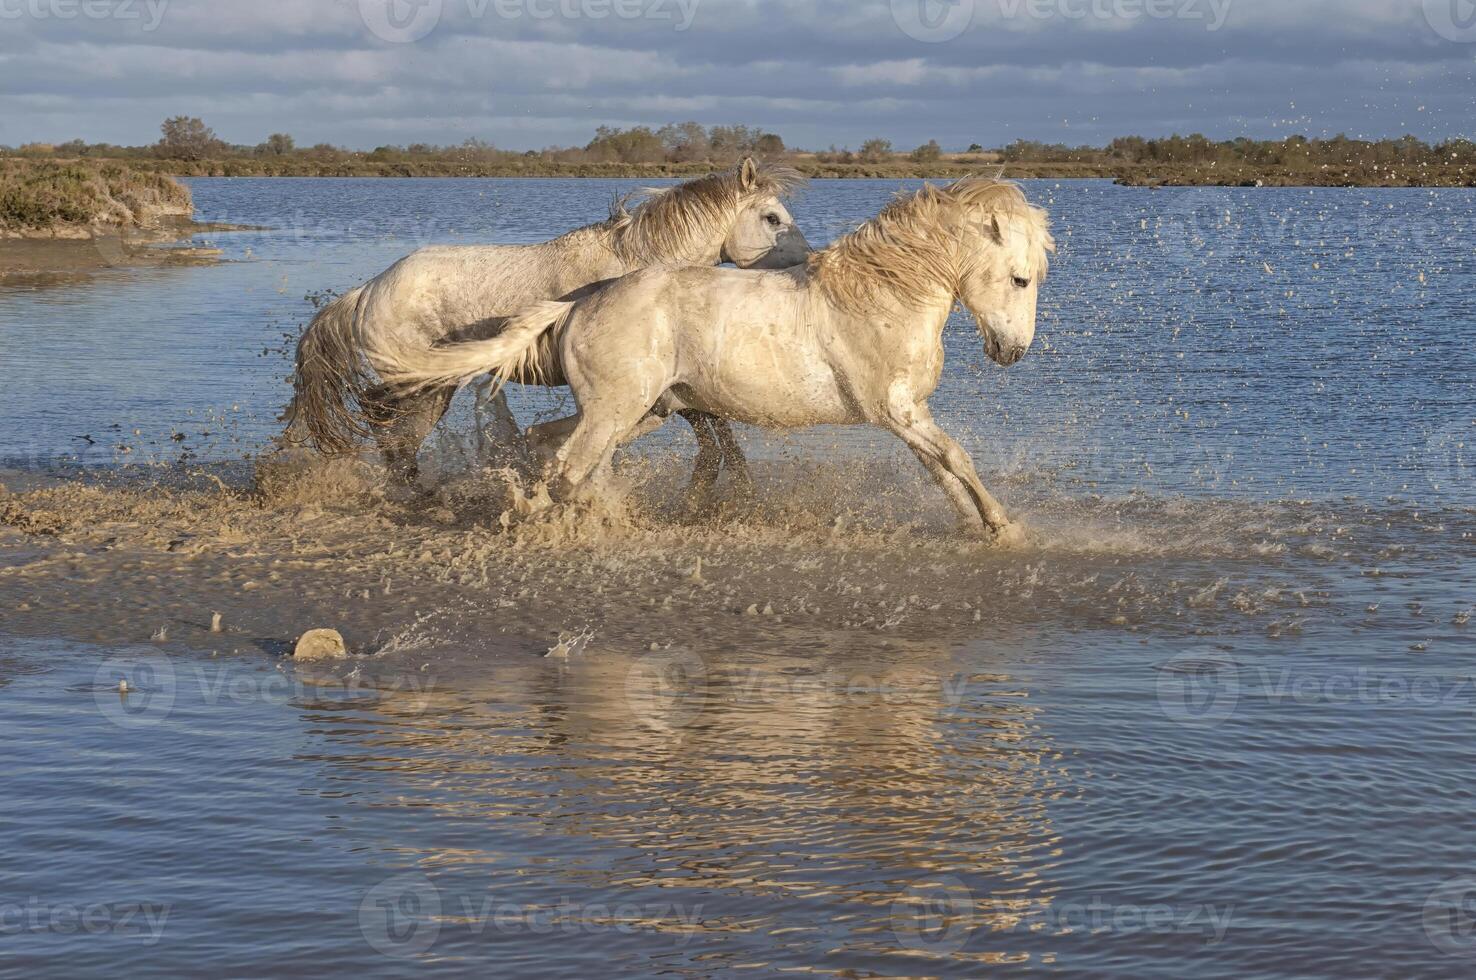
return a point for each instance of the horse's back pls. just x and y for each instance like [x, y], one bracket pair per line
[444, 291]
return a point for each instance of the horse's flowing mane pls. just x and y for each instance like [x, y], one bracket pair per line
[669, 224]
[920, 243]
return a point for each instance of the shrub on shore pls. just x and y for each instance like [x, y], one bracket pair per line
[39, 195]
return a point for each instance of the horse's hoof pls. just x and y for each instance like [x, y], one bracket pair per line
[1012, 535]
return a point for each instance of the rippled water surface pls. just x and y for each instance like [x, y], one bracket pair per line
[1217, 719]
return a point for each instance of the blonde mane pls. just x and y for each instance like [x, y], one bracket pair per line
[924, 242]
[665, 224]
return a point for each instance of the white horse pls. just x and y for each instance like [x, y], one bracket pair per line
[853, 337]
[467, 292]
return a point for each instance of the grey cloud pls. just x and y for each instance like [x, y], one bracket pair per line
[818, 72]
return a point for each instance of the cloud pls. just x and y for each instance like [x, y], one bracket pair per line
[528, 73]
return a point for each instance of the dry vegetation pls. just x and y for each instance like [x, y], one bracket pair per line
[44, 196]
[190, 148]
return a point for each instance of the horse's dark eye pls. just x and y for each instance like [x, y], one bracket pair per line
[1021, 282]
[773, 219]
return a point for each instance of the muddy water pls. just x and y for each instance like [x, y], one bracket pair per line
[1216, 710]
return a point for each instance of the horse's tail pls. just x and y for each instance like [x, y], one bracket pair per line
[331, 377]
[522, 351]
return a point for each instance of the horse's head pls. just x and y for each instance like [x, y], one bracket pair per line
[1000, 284]
[763, 234]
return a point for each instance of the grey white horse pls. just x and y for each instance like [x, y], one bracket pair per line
[459, 293]
[853, 337]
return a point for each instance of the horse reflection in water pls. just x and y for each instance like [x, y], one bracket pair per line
[888, 806]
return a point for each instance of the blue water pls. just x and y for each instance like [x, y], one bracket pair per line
[1226, 733]
[1165, 345]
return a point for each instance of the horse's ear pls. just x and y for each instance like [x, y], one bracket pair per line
[996, 228]
[747, 174]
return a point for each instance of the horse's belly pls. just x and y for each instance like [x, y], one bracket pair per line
[781, 398]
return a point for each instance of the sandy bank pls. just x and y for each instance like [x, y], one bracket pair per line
[818, 566]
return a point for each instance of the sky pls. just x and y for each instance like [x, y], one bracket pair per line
[525, 74]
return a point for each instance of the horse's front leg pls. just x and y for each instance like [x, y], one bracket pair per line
[941, 453]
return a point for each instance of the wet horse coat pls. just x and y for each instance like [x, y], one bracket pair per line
[853, 337]
[467, 292]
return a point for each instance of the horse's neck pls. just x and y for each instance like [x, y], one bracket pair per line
[892, 323]
[584, 256]
[704, 248]
[695, 253]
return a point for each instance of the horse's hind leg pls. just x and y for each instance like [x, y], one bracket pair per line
[709, 458]
[717, 447]
[601, 430]
[401, 424]
[500, 441]
[733, 456]
[546, 438]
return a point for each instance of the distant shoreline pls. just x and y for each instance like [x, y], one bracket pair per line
[79, 216]
[1131, 175]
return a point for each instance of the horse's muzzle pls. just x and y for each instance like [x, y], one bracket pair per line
[1004, 356]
